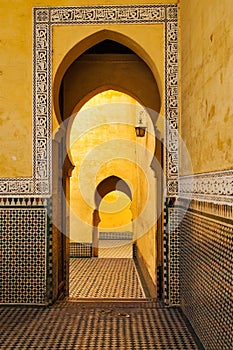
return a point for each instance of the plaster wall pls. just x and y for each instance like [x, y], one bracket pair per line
[206, 127]
[16, 89]
[145, 226]
[103, 143]
[16, 74]
[146, 41]
[94, 73]
[115, 213]
[206, 77]
[16, 71]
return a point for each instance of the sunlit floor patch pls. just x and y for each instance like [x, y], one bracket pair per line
[110, 248]
[104, 278]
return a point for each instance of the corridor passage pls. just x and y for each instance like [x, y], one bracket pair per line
[104, 278]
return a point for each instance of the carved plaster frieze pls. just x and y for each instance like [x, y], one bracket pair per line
[215, 187]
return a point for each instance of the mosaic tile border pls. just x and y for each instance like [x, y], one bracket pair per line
[171, 254]
[165, 254]
[43, 20]
[127, 235]
[23, 202]
[215, 187]
[49, 254]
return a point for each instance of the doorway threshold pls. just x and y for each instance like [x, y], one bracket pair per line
[113, 303]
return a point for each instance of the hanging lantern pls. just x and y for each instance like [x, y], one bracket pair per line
[140, 129]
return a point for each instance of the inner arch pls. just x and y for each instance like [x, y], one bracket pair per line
[115, 229]
[102, 59]
[110, 184]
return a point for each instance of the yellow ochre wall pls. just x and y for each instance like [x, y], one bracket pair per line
[16, 73]
[149, 39]
[16, 78]
[206, 50]
[115, 212]
[103, 143]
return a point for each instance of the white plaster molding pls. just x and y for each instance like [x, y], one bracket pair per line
[214, 187]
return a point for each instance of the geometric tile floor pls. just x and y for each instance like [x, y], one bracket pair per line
[73, 326]
[111, 248]
[104, 278]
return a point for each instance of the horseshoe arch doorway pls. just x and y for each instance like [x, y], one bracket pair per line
[92, 62]
[111, 186]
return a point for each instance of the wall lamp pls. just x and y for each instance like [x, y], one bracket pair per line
[140, 129]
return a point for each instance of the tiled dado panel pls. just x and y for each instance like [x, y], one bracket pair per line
[206, 255]
[174, 257]
[23, 235]
[171, 254]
